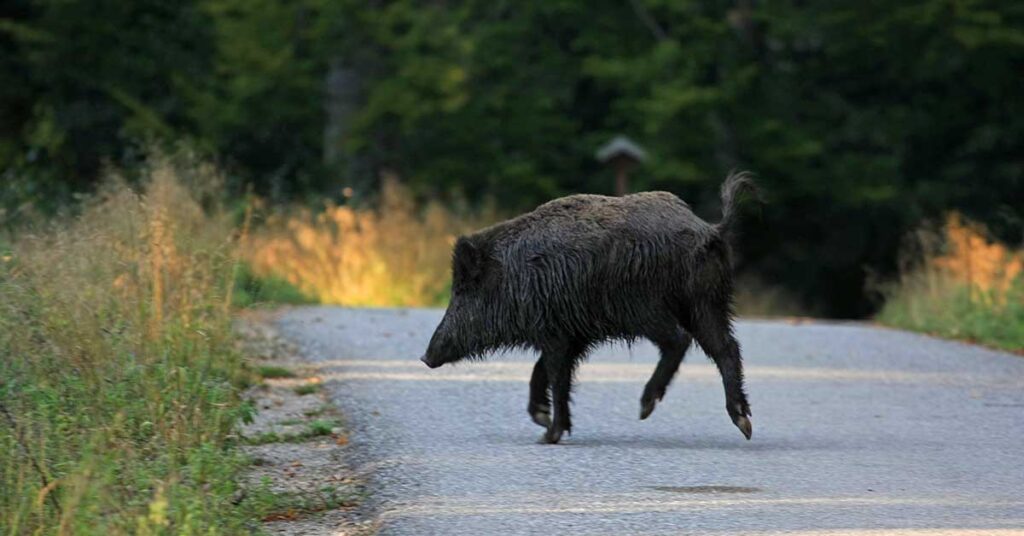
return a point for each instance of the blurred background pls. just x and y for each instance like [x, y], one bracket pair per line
[356, 138]
[167, 166]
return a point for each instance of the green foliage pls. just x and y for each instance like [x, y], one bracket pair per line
[861, 118]
[119, 382]
[320, 428]
[949, 309]
[306, 389]
[267, 371]
[251, 289]
[77, 103]
[317, 428]
[959, 284]
[288, 505]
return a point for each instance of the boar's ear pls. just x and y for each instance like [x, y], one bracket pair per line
[468, 265]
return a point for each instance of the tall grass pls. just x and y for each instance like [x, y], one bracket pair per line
[396, 253]
[118, 373]
[958, 283]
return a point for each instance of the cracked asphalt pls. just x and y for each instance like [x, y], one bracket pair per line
[858, 430]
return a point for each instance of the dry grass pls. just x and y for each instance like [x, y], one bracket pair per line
[397, 253]
[988, 269]
[116, 385]
[959, 283]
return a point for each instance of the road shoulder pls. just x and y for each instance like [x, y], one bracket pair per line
[297, 442]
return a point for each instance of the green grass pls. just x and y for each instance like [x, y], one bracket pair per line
[306, 389]
[119, 379]
[320, 427]
[948, 309]
[288, 505]
[317, 428]
[272, 372]
[957, 282]
[253, 290]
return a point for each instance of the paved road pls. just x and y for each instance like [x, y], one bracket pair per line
[857, 430]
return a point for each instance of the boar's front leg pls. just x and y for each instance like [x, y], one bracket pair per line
[560, 363]
[539, 406]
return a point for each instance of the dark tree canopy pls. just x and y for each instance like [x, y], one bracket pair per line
[861, 118]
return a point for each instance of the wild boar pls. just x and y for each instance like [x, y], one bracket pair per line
[585, 269]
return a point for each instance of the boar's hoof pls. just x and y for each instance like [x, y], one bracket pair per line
[541, 415]
[647, 407]
[553, 435]
[744, 425]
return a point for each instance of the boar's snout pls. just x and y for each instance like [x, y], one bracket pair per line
[436, 354]
[444, 346]
[431, 363]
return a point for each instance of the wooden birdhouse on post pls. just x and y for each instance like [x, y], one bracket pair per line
[622, 154]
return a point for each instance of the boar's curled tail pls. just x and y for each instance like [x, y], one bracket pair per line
[735, 184]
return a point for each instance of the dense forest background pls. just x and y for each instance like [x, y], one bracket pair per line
[862, 119]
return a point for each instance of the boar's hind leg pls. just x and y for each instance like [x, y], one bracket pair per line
[560, 364]
[673, 343]
[539, 407]
[713, 331]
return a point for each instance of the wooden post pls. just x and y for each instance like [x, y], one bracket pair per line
[621, 177]
[622, 155]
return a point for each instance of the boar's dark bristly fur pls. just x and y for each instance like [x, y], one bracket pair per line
[586, 269]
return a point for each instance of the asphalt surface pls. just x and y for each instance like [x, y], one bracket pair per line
[857, 430]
